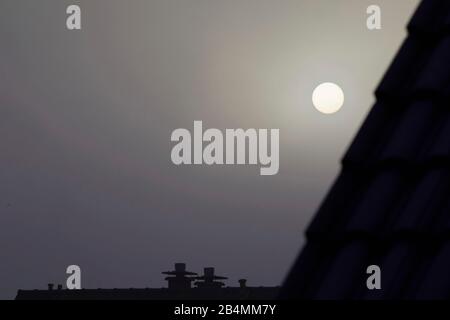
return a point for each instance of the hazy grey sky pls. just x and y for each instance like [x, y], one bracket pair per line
[86, 118]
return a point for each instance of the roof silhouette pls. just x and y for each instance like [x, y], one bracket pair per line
[390, 205]
[179, 288]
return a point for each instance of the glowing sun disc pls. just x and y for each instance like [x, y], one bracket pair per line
[328, 98]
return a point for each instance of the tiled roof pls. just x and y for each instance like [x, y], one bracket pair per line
[390, 205]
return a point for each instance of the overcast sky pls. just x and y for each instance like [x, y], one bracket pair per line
[86, 118]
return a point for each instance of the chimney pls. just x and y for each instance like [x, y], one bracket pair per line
[59, 286]
[209, 273]
[180, 267]
[243, 283]
[50, 286]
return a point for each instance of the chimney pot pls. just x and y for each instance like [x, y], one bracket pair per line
[180, 267]
[209, 272]
[50, 286]
[243, 283]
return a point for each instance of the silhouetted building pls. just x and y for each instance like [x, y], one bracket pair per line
[179, 288]
[209, 280]
[179, 279]
[390, 205]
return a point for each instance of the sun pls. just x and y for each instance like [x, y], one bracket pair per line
[328, 98]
